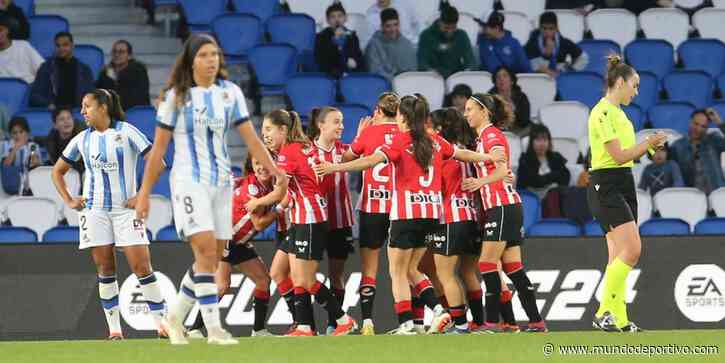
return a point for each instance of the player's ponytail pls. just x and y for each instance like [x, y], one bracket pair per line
[616, 69]
[317, 116]
[111, 100]
[291, 121]
[414, 110]
[500, 113]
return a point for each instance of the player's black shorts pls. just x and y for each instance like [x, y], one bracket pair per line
[612, 197]
[412, 233]
[283, 240]
[457, 239]
[505, 223]
[310, 241]
[236, 253]
[339, 243]
[374, 229]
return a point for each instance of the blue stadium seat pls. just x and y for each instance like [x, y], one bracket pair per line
[297, 30]
[351, 115]
[710, 226]
[532, 208]
[703, 55]
[635, 114]
[144, 118]
[585, 87]
[27, 6]
[363, 88]
[237, 34]
[664, 227]
[167, 233]
[649, 91]
[92, 56]
[593, 229]
[598, 50]
[554, 227]
[263, 9]
[17, 235]
[721, 85]
[40, 121]
[44, 28]
[62, 234]
[273, 64]
[200, 14]
[307, 91]
[652, 55]
[671, 115]
[689, 86]
[14, 95]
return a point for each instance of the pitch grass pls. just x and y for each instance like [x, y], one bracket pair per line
[352, 349]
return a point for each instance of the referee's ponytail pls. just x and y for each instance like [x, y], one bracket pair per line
[616, 68]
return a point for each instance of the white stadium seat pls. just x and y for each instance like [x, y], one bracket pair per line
[571, 24]
[473, 6]
[38, 214]
[426, 11]
[314, 8]
[429, 84]
[708, 22]
[70, 215]
[717, 201]
[42, 186]
[515, 149]
[688, 204]
[479, 81]
[618, 25]
[565, 119]
[539, 88]
[720, 4]
[360, 25]
[531, 8]
[672, 25]
[567, 147]
[518, 24]
[357, 6]
[637, 170]
[688, 4]
[160, 213]
[470, 26]
[644, 206]
[574, 171]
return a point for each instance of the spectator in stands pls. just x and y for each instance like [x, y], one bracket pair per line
[443, 47]
[19, 25]
[64, 128]
[551, 53]
[125, 75]
[409, 25]
[18, 59]
[540, 167]
[337, 48]
[19, 155]
[661, 174]
[698, 153]
[458, 97]
[390, 52]
[497, 47]
[63, 79]
[504, 81]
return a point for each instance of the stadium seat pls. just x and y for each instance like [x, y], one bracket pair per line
[363, 88]
[617, 25]
[297, 30]
[565, 119]
[426, 13]
[720, 4]
[721, 85]
[532, 208]
[41, 185]
[92, 56]
[160, 213]
[15, 94]
[40, 120]
[571, 24]
[199, 15]
[351, 115]
[539, 88]
[585, 87]
[688, 204]
[144, 118]
[703, 55]
[358, 6]
[70, 215]
[593, 229]
[44, 29]
[27, 6]
[554, 227]
[479, 81]
[716, 200]
[262, 9]
[567, 147]
[38, 214]
[688, 4]
[598, 50]
[644, 206]
[670, 24]
[309, 90]
[515, 147]
[468, 24]
[167, 233]
[664, 227]
[273, 64]
[531, 8]
[475, 7]
[689, 86]
[429, 84]
[62, 234]
[17, 235]
[710, 226]
[634, 113]
[237, 34]
[358, 23]
[162, 186]
[652, 55]
[649, 91]
[313, 8]
[518, 24]
[574, 171]
[708, 22]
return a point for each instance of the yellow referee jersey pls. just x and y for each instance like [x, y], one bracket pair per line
[606, 123]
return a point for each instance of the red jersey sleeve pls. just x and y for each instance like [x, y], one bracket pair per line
[491, 139]
[446, 149]
[358, 145]
[241, 197]
[393, 150]
[285, 160]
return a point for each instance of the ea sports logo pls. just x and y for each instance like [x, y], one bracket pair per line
[700, 293]
[134, 309]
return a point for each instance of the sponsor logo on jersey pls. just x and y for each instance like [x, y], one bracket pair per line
[462, 202]
[421, 198]
[253, 190]
[138, 225]
[107, 166]
[699, 293]
[378, 194]
[490, 225]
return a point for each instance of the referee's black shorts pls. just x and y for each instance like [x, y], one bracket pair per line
[612, 197]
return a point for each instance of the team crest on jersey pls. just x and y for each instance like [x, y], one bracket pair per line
[388, 139]
[492, 135]
[118, 139]
[253, 190]
[226, 97]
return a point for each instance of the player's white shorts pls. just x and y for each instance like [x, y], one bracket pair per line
[200, 208]
[103, 228]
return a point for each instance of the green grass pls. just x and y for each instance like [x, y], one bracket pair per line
[415, 349]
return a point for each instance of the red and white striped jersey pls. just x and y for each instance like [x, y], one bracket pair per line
[499, 193]
[245, 188]
[457, 205]
[310, 205]
[416, 192]
[334, 188]
[376, 186]
[283, 220]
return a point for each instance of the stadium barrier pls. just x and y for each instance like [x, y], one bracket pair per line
[50, 292]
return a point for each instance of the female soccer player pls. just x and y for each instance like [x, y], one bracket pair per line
[503, 231]
[416, 159]
[199, 107]
[611, 193]
[110, 148]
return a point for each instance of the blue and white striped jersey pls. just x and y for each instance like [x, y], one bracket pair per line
[110, 158]
[200, 127]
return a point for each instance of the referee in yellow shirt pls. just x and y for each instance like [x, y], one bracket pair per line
[611, 193]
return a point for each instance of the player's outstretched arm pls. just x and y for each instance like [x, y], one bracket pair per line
[275, 196]
[154, 168]
[324, 168]
[476, 157]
